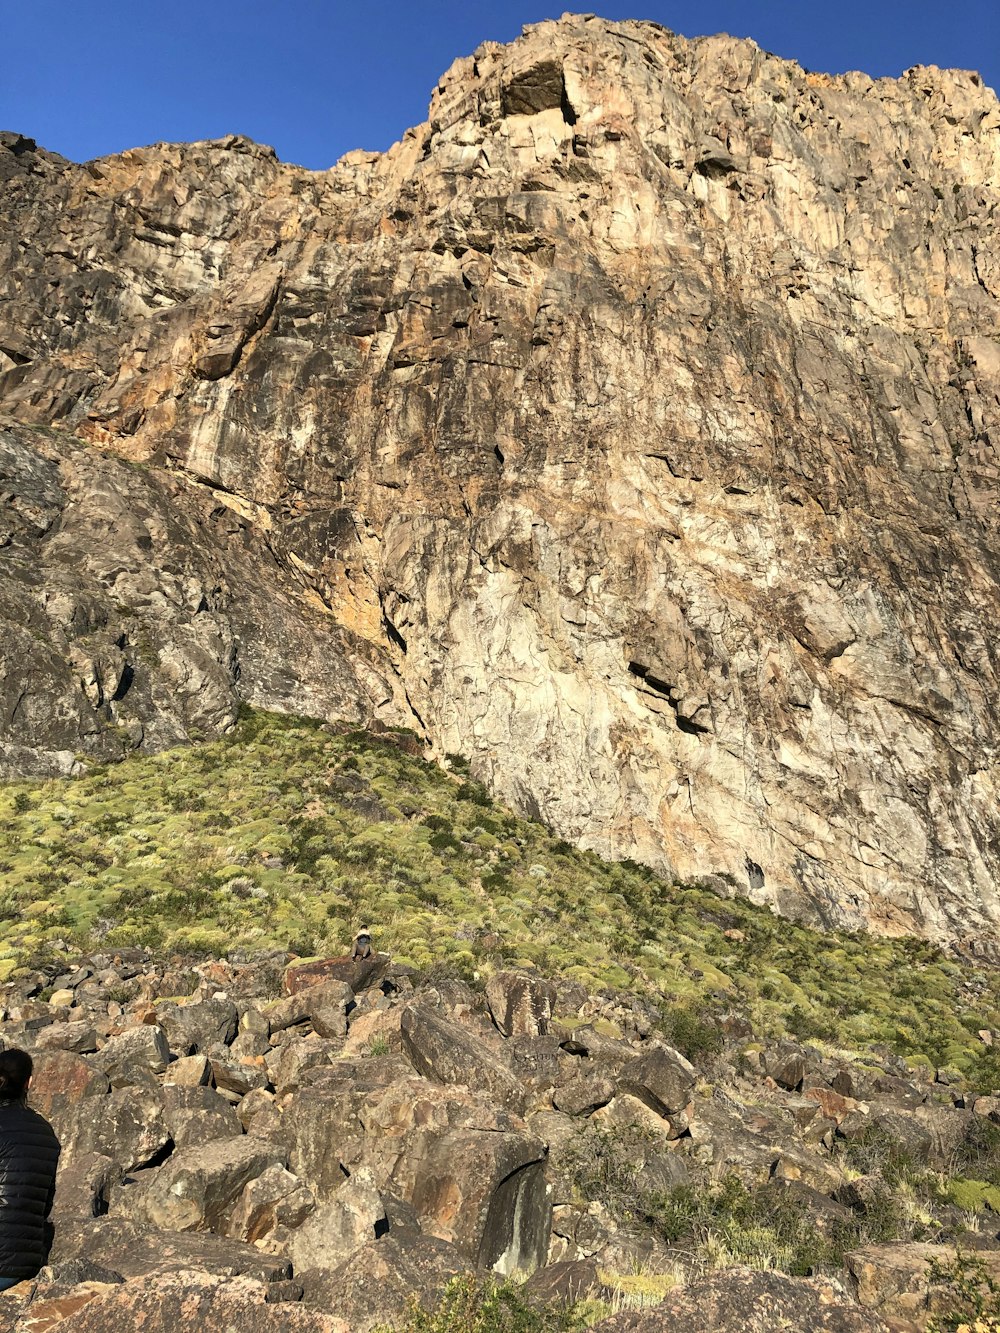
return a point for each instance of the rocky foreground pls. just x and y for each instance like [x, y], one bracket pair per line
[314, 1146]
[629, 427]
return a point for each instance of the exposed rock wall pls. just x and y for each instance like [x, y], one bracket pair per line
[138, 610]
[636, 412]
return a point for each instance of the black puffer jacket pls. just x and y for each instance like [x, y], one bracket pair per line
[29, 1154]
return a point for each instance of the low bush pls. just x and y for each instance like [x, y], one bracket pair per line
[964, 1296]
[471, 1304]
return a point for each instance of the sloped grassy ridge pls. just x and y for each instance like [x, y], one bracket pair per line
[288, 833]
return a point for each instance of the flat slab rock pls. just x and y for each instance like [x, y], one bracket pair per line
[743, 1300]
[137, 1251]
[169, 1303]
[360, 975]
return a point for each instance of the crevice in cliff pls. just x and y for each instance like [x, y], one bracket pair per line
[566, 106]
[410, 705]
[755, 875]
[393, 633]
[661, 689]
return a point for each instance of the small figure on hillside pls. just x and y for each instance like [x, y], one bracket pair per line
[362, 947]
[29, 1155]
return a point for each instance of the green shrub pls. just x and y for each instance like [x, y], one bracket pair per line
[472, 1304]
[692, 1032]
[474, 792]
[972, 1196]
[963, 1295]
[978, 1155]
[444, 842]
[878, 1152]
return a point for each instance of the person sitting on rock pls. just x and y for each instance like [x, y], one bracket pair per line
[362, 947]
[29, 1155]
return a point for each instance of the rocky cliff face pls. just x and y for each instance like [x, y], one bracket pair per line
[628, 427]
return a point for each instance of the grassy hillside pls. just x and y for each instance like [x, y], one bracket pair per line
[287, 834]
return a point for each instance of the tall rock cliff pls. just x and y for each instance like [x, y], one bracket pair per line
[629, 427]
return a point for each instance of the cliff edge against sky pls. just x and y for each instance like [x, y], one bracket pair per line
[628, 428]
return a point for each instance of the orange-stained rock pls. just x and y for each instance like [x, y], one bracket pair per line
[187, 1301]
[61, 1079]
[832, 1104]
[359, 976]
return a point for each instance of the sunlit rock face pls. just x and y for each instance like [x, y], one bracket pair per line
[629, 428]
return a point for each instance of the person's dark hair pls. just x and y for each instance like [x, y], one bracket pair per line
[15, 1071]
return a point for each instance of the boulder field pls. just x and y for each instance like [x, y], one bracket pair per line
[279, 1146]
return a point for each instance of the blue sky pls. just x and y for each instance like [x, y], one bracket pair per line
[315, 78]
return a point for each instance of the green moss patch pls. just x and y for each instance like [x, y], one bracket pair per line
[287, 833]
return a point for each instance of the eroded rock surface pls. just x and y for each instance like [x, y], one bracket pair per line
[628, 427]
[342, 1186]
[744, 1301]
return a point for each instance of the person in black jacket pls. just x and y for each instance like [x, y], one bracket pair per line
[29, 1154]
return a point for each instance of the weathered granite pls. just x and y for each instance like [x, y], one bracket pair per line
[628, 427]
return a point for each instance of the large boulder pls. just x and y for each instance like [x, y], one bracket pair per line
[188, 1071]
[236, 1078]
[195, 1189]
[373, 1027]
[584, 1094]
[521, 1005]
[54, 1296]
[743, 1300]
[324, 1136]
[288, 1063]
[895, 1280]
[353, 1218]
[322, 1123]
[468, 1169]
[274, 1199]
[364, 974]
[127, 1057]
[127, 1125]
[324, 1004]
[193, 1115]
[588, 1042]
[787, 1064]
[179, 1302]
[137, 1249]
[197, 1028]
[78, 1035]
[661, 1078]
[484, 1192]
[446, 1052]
[60, 1080]
[539, 1064]
[83, 1184]
[375, 1285]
